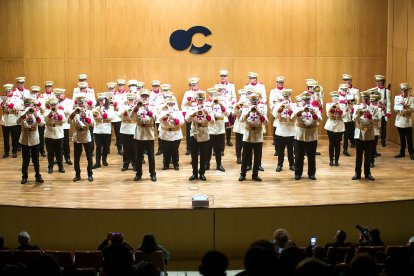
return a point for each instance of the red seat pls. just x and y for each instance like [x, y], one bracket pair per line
[155, 257]
[87, 259]
[85, 271]
[64, 258]
[397, 251]
[337, 254]
[370, 249]
[25, 256]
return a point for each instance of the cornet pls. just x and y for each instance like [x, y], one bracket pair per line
[53, 109]
[140, 104]
[30, 110]
[215, 101]
[95, 113]
[253, 109]
[78, 110]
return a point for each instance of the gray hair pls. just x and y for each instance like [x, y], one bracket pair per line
[23, 237]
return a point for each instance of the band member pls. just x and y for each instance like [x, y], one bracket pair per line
[239, 125]
[90, 92]
[228, 92]
[306, 118]
[40, 104]
[384, 105]
[274, 98]
[133, 86]
[115, 99]
[29, 119]
[157, 100]
[349, 94]
[102, 114]
[217, 130]
[285, 129]
[189, 100]
[200, 117]
[259, 87]
[10, 106]
[48, 90]
[121, 87]
[81, 119]
[335, 127]
[404, 107]
[128, 132]
[20, 91]
[54, 119]
[66, 105]
[374, 100]
[171, 120]
[365, 116]
[143, 115]
[254, 117]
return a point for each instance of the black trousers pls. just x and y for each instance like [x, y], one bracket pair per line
[41, 130]
[363, 148]
[118, 143]
[406, 138]
[160, 144]
[148, 146]
[248, 150]
[92, 143]
[217, 144]
[383, 129]
[228, 134]
[284, 142]
[239, 144]
[187, 134]
[275, 138]
[27, 152]
[12, 131]
[349, 134]
[102, 145]
[196, 148]
[128, 143]
[65, 144]
[310, 148]
[170, 152]
[334, 145]
[54, 150]
[77, 151]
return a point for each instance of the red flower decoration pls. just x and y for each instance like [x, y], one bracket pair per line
[38, 120]
[176, 122]
[262, 118]
[60, 117]
[104, 115]
[11, 105]
[208, 118]
[90, 103]
[315, 103]
[315, 117]
[88, 120]
[149, 113]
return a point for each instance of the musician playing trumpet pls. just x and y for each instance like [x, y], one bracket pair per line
[239, 125]
[103, 114]
[54, 118]
[284, 129]
[82, 120]
[335, 126]
[365, 116]
[10, 106]
[127, 131]
[29, 119]
[275, 98]
[404, 107]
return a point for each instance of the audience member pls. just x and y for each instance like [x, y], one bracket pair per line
[280, 238]
[106, 242]
[2, 247]
[260, 260]
[372, 239]
[117, 257]
[149, 244]
[214, 263]
[289, 259]
[312, 267]
[339, 240]
[43, 265]
[24, 240]
[363, 265]
[147, 269]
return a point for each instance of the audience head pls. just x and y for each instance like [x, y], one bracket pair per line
[289, 258]
[375, 236]
[260, 259]
[310, 267]
[214, 263]
[149, 244]
[44, 265]
[340, 236]
[117, 238]
[318, 252]
[280, 237]
[23, 238]
[362, 265]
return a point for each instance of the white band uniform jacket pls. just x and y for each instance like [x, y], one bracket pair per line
[366, 119]
[255, 122]
[10, 109]
[220, 113]
[200, 120]
[306, 125]
[188, 100]
[144, 119]
[90, 96]
[81, 123]
[103, 120]
[347, 99]
[285, 125]
[403, 118]
[239, 125]
[29, 135]
[54, 123]
[117, 100]
[67, 106]
[385, 101]
[335, 116]
[260, 89]
[127, 125]
[275, 98]
[170, 124]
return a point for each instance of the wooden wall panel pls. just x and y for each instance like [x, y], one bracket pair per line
[9, 70]
[41, 70]
[400, 32]
[367, 68]
[11, 29]
[337, 28]
[127, 68]
[44, 29]
[410, 25]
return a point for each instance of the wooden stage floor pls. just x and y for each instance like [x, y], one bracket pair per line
[113, 189]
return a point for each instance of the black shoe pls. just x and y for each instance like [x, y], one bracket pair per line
[242, 178]
[143, 161]
[43, 154]
[297, 177]
[14, 155]
[187, 152]
[400, 155]
[369, 177]
[239, 161]
[5, 155]
[383, 144]
[229, 143]
[256, 178]
[312, 177]
[193, 177]
[317, 153]
[39, 179]
[352, 145]
[153, 178]
[96, 166]
[279, 168]
[331, 163]
[412, 156]
[275, 154]
[346, 153]
[336, 164]
[124, 169]
[248, 168]
[261, 168]
[136, 178]
[165, 167]
[68, 161]
[61, 170]
[159, 152]
[50, 171]
[220, 168]
[77, 178]
[105, 163]
[292, 168]
[203, 177]
[24, 180]
[176, 167]
[207, 167]
[90, 178]
[372, 164]
[120, 152]
[356, 176]
[377, 154]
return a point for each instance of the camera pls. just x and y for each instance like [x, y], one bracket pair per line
[364, 231]
[312, 241]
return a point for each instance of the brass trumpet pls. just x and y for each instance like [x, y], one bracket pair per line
[140, 104]
[53, 109]
[215, 101]
[253, 109]
[95, 113]
[78, 110]
[360, 112]
[30, 110]
[306, 109]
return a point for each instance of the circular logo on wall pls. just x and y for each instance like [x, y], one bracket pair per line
[181, 40]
